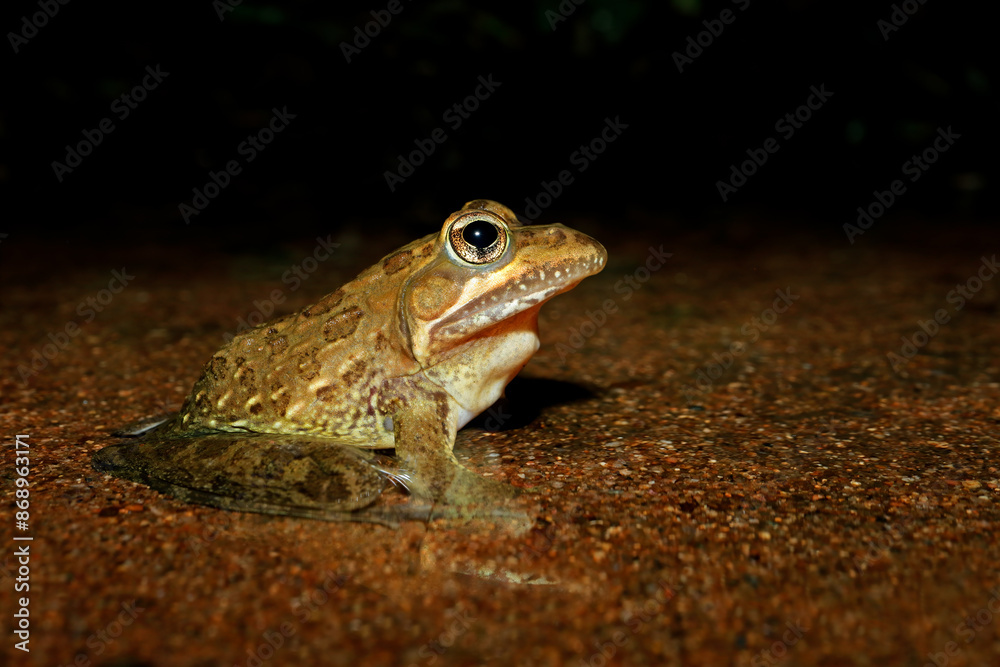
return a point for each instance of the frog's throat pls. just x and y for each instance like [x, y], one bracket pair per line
[475, 374]
[460, 411]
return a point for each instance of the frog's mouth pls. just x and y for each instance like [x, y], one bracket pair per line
[451, 303]
[497, 306]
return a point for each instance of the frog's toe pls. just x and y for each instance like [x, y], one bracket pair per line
[142, 426]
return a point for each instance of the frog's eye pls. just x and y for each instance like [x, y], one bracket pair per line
[478, 240]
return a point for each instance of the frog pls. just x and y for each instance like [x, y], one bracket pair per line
[298, 416]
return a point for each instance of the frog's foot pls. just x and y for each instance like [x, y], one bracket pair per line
[453, 484]
[424, 433]
[428, 469]
[468, 487]
[272, 474]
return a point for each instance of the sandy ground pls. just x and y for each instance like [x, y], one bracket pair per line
[728, 468]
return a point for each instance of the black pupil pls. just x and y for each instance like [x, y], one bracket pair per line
[480, 234]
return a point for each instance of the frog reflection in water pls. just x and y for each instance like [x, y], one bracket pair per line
[286, 417]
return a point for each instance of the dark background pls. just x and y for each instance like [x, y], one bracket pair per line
[605, 60]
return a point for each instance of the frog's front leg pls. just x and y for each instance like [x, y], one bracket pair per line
[424, 427]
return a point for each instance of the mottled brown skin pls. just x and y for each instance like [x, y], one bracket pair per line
[284, 417]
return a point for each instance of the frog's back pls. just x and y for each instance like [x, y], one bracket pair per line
[318, 371]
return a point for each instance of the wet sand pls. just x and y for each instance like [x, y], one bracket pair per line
[726, 467]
